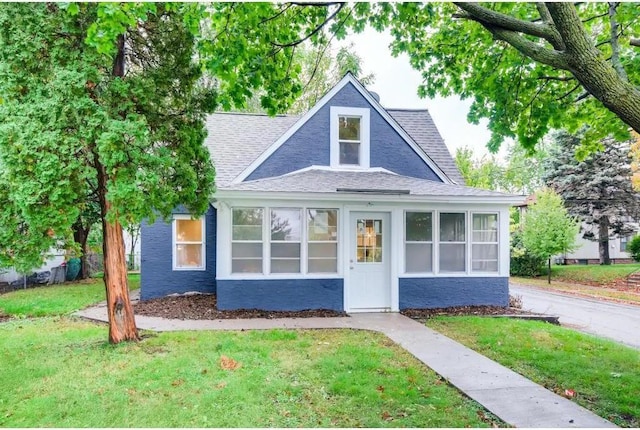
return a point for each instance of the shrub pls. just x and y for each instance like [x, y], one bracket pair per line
[633, 248]
[523, 262]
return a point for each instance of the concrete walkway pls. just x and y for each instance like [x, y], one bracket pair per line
[515, 399]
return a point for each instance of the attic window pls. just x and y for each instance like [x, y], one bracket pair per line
[349, 137]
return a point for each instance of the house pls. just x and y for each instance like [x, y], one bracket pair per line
[349, 207]
[587, 251]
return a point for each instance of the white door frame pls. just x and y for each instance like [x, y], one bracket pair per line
[395, 245]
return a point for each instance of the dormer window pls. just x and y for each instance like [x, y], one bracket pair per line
[349, 137]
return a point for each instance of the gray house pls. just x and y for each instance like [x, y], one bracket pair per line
[350, 207]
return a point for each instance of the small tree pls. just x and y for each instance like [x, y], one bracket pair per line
[633, 248]
[548, 229]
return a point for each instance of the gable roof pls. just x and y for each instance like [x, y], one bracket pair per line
[420, 126]
[236, 140]
[346, 80]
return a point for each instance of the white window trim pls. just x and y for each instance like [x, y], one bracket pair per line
[174, 243]
[363, 113]
[300, 241]
[431, 242]
[465, 242]
[266, 245]
[262, 241]
[497, 242]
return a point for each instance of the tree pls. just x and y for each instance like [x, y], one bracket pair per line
[520, 172]
[598, 190]
[547, 228]
[113, 95]
[543, 65]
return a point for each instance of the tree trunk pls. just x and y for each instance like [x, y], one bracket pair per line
[592, 70]
[122, 324]
[549, 272]
[603, 240]
[80, 236]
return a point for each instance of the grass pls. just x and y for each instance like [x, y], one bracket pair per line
[629, 296]
[593, 273]
[604, 375]
[59, 372]
[56, 299]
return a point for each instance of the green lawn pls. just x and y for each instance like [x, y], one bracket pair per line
[57, 299]
[592, 272]
[604, 375]
[60, 372]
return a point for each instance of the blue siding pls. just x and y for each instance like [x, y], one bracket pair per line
[281, 295]
[310, 145]
[427, 293]
[157, 276]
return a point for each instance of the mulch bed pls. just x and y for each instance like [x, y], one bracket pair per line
[203, 307]
[4, 317]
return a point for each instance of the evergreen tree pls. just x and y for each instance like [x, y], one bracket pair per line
[598, 190]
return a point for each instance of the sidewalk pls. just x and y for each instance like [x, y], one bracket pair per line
[515, 399]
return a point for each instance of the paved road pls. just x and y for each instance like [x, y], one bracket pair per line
[612, 320]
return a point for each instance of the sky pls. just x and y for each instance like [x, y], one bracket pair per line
[397, 84]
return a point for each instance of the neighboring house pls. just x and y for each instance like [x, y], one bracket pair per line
[587, 251]
[59, 256]
[350, 207]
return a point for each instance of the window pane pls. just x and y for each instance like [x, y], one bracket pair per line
[323, 250]
[323, 265]
[485, 227]
[246, 266]
[285, 224]
[322, 224]
[247, 224]
[452, 227]
[188, 230]
[349, 153]
[189, 256]
[484, 266]
[419, 226]
[484, 252]
[369, 241]
[246, 250]
[348, 128]
[285, 250]
[285, 266]
[418, 257]
[452, 257]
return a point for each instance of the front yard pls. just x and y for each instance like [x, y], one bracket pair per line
[603, 375]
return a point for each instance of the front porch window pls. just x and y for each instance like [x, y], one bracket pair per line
[285, 240]
[452, 242]
[246, 237]
[418, 238]
[322, 236]
[484, 243]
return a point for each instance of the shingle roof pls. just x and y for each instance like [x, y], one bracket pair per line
[235, 140]
[327, 181]
[420, 126]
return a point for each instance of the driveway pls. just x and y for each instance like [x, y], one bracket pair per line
[615, 321]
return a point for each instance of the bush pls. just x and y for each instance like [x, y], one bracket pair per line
[633, 248]
[523, 262]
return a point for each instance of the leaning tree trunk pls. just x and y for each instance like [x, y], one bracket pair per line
[603, 240]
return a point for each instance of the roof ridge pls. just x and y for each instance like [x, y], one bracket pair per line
[407, 110]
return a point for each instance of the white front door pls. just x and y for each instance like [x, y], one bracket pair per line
[369, 262]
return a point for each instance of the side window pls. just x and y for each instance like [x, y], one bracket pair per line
[322, 237]
[285, 240]
[484, 243]
[246, 240]
[188, 247]
[453, 248]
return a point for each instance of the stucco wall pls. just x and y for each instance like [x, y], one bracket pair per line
[281, 295]
[428, 293]
[157, 276]
[310, 145]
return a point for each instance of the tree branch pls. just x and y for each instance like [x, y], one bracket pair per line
[496, 19]
[557, 78]
[314, 31]
[634, 42]
[568, 93]
[615, 48]
[531, 49]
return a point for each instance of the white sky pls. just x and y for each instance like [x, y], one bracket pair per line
[397, 84]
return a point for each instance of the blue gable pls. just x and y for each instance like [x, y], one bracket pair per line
[310, 144]
[157, 277]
